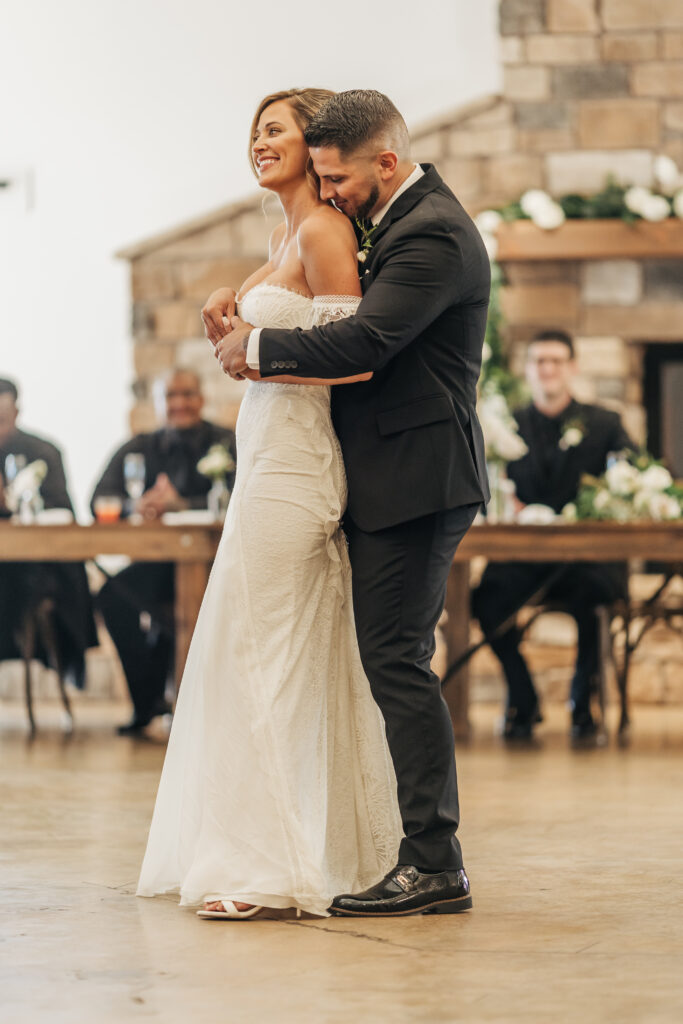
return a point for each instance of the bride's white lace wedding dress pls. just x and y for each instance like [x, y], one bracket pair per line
[278, 787]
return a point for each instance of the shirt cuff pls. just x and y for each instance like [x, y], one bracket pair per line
[253, 349]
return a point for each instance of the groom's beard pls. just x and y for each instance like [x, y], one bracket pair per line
[364, 209]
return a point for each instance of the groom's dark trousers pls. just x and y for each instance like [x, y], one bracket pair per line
[414, 456]
[399, 588]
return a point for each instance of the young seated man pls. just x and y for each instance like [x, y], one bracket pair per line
[565, 439]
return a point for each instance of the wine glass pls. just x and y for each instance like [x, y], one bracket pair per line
[134, 477]
[13, 465]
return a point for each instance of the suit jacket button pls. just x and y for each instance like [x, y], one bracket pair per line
[294, 365]
[273, 366]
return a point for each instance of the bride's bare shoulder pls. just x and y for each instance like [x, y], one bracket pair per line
[327, 226]
[276, 237]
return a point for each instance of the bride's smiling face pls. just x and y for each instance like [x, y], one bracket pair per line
[279, 151]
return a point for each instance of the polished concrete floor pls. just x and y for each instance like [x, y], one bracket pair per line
[575, 861]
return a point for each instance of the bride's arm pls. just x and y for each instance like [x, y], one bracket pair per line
[327, 249]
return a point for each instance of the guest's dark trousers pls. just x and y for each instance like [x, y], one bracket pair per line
[399, 589]
[137, 605]
[506, 586]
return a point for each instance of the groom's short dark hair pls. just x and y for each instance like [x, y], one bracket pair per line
[351, 120]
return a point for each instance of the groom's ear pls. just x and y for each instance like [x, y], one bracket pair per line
[387, 162]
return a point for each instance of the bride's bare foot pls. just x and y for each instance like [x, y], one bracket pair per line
[218, 907]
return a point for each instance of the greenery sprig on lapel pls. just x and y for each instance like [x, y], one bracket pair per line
[365, 239]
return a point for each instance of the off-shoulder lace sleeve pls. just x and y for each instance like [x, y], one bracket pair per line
[333, 307]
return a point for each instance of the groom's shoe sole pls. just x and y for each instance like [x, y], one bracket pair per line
[457, 906]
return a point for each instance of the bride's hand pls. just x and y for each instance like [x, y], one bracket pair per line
[217, 312]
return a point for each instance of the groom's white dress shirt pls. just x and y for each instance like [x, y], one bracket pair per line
[253, 344]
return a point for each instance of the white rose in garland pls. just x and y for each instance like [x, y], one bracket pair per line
[655, 208]
[488, 221]
[549, 217]
[635, 198]
[678, 203]
[667, 174]
[533, 200]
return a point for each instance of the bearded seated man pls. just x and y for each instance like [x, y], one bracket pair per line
[565, 439]
[137, 603]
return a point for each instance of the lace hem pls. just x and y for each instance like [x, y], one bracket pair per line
[327, 308]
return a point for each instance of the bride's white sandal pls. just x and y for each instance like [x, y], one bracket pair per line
[229, 911]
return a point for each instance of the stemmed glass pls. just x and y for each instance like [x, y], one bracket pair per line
[134, 479]
[13, 465]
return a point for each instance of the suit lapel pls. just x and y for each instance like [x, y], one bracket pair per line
[429, 181]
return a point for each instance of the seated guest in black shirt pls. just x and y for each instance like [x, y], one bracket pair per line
[24, 584]
[137, 604]
[565, 439]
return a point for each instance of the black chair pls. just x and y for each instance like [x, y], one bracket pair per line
[624, 625]
[538, 605]
[38, 628]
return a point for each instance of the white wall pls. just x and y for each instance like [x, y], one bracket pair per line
[133, 115]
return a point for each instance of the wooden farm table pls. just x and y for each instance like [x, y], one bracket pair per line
[192, 549]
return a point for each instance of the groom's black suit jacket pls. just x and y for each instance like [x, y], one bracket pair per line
[411, 440]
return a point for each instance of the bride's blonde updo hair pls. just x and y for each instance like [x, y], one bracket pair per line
[305, 103]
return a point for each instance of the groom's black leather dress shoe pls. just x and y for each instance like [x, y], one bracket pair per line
[405, 890]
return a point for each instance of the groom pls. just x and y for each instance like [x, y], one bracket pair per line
[413, 452]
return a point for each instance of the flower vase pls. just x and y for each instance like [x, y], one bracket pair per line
[496, 510]
[218, 498]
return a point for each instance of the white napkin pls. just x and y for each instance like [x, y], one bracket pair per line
[189, 517]
[54, 517]
[536, 515]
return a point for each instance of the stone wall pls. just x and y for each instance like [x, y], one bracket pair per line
[591, 87]
[171, 277]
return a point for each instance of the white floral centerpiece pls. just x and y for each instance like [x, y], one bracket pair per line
[634, 487]
[217, 462]
[215, 465]
[24, 491]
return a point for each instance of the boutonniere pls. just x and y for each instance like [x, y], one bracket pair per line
[365, 240]
[573, 433]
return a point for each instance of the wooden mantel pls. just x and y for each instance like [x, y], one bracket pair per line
[521, 240]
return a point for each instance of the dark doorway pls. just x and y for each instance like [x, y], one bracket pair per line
[663, 393]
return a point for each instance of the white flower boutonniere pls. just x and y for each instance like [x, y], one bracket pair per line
[216, 463]
[572, 435]
[365, 240]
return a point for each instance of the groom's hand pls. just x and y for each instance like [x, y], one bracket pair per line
[231, 351]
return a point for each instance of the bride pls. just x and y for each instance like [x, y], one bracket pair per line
[278, 789]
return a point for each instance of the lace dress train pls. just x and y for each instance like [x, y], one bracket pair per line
[278, 787]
